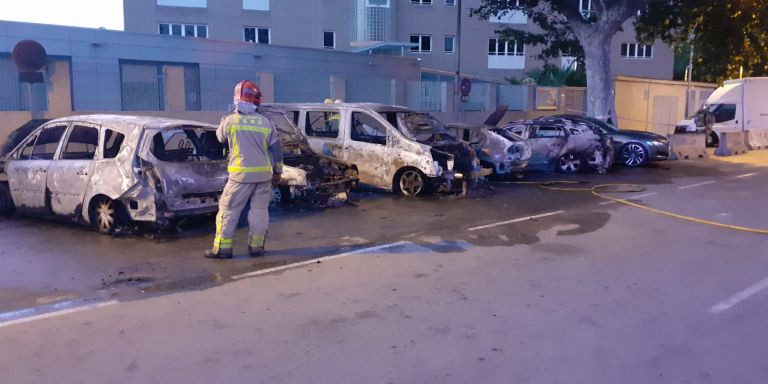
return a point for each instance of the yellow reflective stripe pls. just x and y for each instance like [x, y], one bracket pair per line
[256, 241]
[221, 243]
[235, 149]
[264, 169]
[250, 128]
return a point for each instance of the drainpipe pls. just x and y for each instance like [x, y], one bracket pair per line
[457, 41]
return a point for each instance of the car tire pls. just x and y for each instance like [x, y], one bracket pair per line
[633, 155]
[106, 215]
[410, 182]
[569, 163]
[6, 201]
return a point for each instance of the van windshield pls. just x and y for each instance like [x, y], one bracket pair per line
[418, 126]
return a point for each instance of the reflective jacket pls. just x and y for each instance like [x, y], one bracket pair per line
[254, 147]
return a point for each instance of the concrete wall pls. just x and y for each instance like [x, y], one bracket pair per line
[655, 105]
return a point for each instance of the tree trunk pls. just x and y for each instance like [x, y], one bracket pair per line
[597, 57]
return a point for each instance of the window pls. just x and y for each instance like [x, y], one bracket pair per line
[724, 112]
[585, 7]
[510, 16]
[188, 30]
[113, 142]
[81, 144]
[256, 5]
[546, 132]
[449, 44]
[636, 51]
[188, 144]
[505, 48]
[329, 39]
[424, 43]
[141, 87]
[377, 3]
[367, 129]
[47, 142]
[257, 35]
[184, 3]
[450, 3]
[422, 2]
[322, 124]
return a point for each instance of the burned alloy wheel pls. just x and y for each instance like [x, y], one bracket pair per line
[105, 215]
[633, 155]
[410, 183]
[569, 163]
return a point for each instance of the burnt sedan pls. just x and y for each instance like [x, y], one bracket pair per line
[564, 145]
[632, 148]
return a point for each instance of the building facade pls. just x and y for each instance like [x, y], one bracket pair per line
[430, 30]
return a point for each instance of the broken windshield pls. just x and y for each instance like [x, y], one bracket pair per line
[418, 126]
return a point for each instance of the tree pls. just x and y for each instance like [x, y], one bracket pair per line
[565, 30]
[727, 35]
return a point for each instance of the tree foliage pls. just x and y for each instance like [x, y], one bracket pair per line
[727, 35]
[562, 30]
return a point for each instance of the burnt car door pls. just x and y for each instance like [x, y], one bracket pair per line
[28, 169]
[321, 127]
[367, 146]
[69, 175]
[546, 143]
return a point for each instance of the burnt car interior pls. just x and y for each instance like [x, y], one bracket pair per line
[367, 130]
[187, 144]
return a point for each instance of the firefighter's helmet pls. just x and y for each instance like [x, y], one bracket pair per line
[248, 91]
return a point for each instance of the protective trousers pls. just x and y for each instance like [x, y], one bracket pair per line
[231, 205]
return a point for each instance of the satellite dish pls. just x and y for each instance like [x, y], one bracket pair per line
[29, 56]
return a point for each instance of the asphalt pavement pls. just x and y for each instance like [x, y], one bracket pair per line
[513, 284]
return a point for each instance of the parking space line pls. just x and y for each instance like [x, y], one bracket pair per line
[318, 260]
[640, 196]
[739, 297]
[16, 319]
[516, 220]
[697, 184]
[745, 175]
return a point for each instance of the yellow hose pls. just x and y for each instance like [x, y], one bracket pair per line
[636, 188]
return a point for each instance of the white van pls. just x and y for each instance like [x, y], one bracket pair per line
[393, 147]
[739, 105]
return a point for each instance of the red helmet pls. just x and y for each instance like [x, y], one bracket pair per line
[248, 91]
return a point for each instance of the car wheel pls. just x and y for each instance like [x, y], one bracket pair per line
[6, 202]
[634, 155]
[410, 182]
[106, 215]
[570, 163]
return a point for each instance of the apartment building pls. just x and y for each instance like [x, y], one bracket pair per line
[425, 29]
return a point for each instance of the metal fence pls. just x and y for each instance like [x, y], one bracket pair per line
[370, 90]
[301, 88]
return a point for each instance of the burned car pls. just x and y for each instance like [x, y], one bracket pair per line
[502, 151]
[393, 148]
[308, 176]
[109, 170]
[564, 145]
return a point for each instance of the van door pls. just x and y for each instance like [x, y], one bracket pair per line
[68, 176]
[27, 172]
[366, 146]
[727, 117]
[321, 128]
[546, 143]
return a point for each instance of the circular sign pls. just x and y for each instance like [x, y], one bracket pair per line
[29, 55]
[465, 87]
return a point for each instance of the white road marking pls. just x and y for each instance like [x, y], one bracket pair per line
[746, 175]
[697, 184]
[739, 297]
[516, 220]
[321, 259]
[48, 315]
[640, 196]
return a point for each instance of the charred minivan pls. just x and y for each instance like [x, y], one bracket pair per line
[393, 148]
[108, 170]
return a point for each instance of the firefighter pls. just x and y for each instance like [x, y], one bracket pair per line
[255, 165]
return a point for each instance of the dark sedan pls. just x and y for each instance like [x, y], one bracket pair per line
[632, 148]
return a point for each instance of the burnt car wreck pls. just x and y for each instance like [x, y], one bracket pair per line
[308, 176]
[564, 145]
[110, 170]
